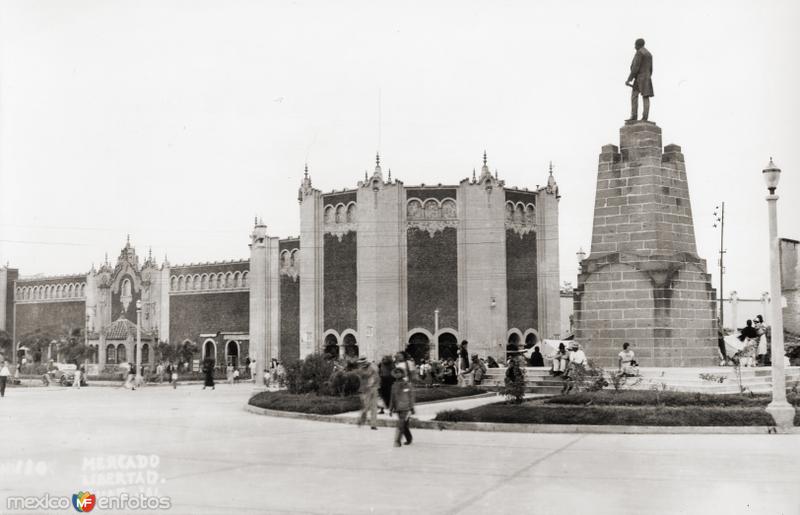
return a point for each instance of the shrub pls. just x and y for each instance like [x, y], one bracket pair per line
[309, 375]
[514, 388]
[343, 383]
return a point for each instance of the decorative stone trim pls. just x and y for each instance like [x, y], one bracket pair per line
[290, 263]
[431, 215]
[520, 218]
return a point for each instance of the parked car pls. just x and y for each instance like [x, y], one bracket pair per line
[64, 374]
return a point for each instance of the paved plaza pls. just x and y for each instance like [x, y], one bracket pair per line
[208, 455]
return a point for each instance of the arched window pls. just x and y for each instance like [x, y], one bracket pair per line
[331, 348]
[237, 280]
[419, 347]
[181, 283]
[111, 354]
[173, 283]
[122, 354]
[196, 283]
[145, 353]
[229, 280]
[232, 353]
[244, 279]
[350, 346]
[204, 282]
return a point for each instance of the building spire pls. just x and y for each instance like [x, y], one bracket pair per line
[473, 175]
[305, 174]
[390, 175]
[377, 160]
[484, 158]
[551, 168]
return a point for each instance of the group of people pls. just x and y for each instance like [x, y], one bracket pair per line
[391, 380]
[756, 347]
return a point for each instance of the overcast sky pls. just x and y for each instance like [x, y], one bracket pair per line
[178, 121]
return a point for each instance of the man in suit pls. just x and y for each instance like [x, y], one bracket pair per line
[641, 71]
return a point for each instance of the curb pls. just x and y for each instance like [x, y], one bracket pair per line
[534, 428]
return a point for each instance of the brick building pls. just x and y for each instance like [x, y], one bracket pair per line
[375, 269]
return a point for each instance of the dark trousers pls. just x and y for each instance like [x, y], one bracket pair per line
[402, 427]
[635, 105]
[3, 380]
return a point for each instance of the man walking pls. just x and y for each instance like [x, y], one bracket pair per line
[641, 72]
[402, 402]
[368, 389]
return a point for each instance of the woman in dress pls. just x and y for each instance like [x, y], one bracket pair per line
[761, 330]
[626, 360]
[208, 370]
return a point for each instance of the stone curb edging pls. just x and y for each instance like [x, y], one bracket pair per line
[532, 428]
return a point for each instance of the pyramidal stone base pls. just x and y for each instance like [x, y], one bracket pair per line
[643, 281]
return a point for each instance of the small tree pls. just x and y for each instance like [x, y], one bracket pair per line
[187, 351]
[167, 351]
[309, 375]
[514, 388]
[6, 344]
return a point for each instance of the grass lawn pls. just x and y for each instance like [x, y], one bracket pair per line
[633, 408]
[327, 405]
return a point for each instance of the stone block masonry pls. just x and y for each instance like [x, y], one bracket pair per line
[643, 281]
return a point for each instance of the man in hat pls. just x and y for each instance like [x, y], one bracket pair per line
[402, 402]
[641, 72]
[368, 390]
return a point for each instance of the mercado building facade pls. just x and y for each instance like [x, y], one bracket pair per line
[376, 269]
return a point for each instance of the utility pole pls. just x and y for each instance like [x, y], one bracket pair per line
[719, 219]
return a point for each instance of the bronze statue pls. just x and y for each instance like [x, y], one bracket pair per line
[641, 71]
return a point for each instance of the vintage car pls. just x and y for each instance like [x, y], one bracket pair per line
[63, 374]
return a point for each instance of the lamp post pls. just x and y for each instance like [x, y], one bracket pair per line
[138, 351]
[435, 343]
[781, 411]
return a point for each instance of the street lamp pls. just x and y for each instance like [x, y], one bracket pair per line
[781, 411]
[138, 352]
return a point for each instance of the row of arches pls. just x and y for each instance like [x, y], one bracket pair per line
[208, 281]
[51, 291]
[520, 213]
[431, 209]
[340, 213]
[334, 345]
[119, 354]
[290, 258]
[233, 352]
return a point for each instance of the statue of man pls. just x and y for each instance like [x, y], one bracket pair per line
[641, 71]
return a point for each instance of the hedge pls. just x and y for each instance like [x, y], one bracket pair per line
[668, 398]
[330, 405]
[609, 415]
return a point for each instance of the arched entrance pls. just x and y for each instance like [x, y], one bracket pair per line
[448, 346]
[530, 340]
[232, 354]
[331, 347]
[122, 354]
[419, 347]
[350, 346]
[209, 350]
[513, 343]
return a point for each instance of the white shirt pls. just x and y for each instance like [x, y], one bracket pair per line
[4, 371]
[577, 357]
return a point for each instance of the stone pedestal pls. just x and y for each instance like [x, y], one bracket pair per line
[643, 281]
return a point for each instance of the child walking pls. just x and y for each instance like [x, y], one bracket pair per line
[402, 402]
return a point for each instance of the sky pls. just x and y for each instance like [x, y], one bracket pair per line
[177, 122]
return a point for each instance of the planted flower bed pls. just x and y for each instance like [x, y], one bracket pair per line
[332, 405]
[633, 408]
